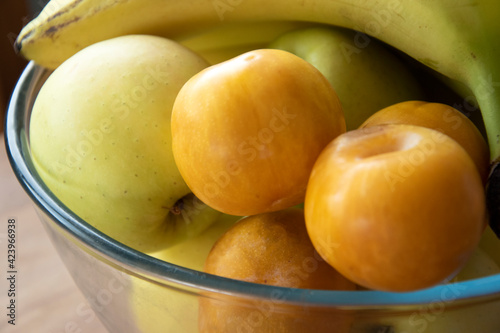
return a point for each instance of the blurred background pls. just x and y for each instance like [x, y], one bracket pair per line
[14, 14]
[47, 298]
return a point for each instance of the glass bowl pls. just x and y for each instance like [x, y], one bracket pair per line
[134, 292]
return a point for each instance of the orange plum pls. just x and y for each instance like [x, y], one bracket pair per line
[246, 132]
[443, 118]
[395, 207]
[274, 249]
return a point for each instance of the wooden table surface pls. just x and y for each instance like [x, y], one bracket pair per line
[46, 297]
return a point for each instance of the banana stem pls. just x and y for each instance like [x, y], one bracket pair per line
[488, 98]
[484, 83]
[490, 110]
[489, 103]
[483, 71]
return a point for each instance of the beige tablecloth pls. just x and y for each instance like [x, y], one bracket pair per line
[46, 296]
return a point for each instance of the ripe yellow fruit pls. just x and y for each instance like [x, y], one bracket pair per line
[100, 140]
[395, 207]
[443, 118]
[246, 132]
[274, 249]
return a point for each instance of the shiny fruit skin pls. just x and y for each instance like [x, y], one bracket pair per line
[443, 118]
[364, 73]
[246, 132]
[274, 249]
[100, 139]
[395, 207]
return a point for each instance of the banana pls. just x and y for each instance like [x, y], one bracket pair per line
[64, 27]
[229, 40]
[457, 38]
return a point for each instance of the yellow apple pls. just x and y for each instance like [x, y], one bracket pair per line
[395, 207]
[101, 140]
[246, 132]
[159, 309]
[192, 253]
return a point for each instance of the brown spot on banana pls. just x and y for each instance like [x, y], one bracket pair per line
[53, 29]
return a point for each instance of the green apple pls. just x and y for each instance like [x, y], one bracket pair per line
[101, 140]
[366, 76]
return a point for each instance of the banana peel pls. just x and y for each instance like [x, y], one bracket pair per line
[460, 39]
[456, 38]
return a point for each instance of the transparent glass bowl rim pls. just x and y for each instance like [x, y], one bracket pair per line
[140, 264]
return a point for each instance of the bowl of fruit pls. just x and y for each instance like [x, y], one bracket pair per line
[218, 167]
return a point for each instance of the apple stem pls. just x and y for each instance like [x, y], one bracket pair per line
[178, 207]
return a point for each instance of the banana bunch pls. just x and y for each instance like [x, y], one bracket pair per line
[459, 39]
